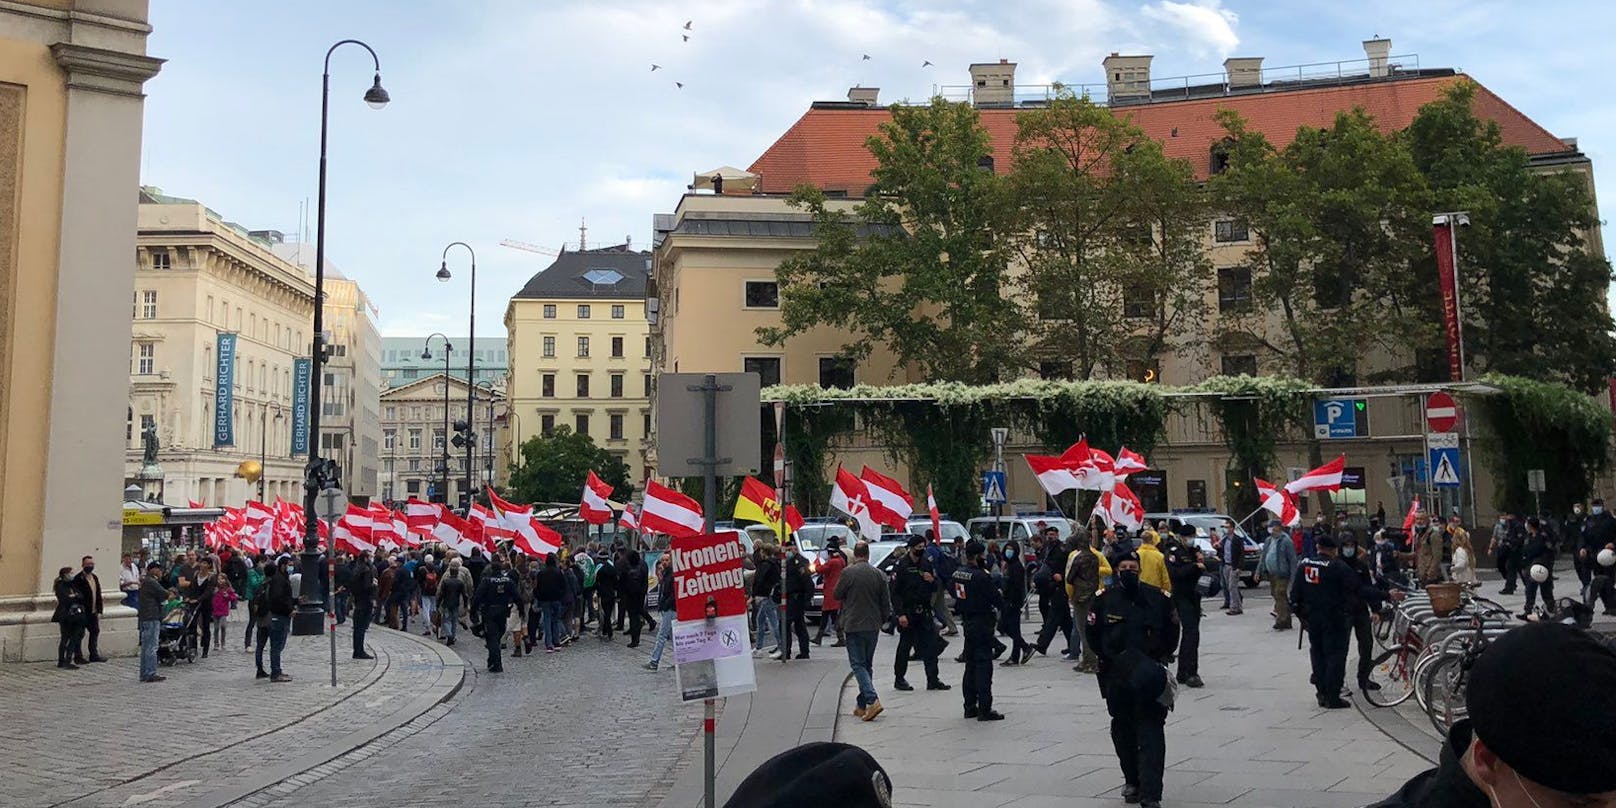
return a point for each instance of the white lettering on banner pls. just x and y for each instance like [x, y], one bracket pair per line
[707, 556]
[697, 584]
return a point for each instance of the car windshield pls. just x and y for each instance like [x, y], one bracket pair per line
[880, 551]
[811, 538]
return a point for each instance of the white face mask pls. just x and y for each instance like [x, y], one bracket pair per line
[1599, 509]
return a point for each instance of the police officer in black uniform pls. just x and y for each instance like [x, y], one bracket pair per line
[978, 601]
[912, 586]
[1324, 593]
[495, 594]
[1184, 567]
[1133, 629]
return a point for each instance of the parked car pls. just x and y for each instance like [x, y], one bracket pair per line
[951, 529]
[1205, 523]
[1022, 526]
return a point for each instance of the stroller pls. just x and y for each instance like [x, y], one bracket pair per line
[176, 638]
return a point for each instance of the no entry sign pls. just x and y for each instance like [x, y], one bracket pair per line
[1441, 412]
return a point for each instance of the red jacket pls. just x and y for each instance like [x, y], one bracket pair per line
[830, 572]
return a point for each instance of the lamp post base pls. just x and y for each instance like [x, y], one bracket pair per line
[308, 620]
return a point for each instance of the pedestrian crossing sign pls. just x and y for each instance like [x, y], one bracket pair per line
[993, 486]
[1445, 467]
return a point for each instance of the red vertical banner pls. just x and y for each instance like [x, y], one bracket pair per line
[1448, 282]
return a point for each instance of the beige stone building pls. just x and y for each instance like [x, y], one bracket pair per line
[580, 352]
[71, 99]
[197, 276]
[415, 430]
[715, 256]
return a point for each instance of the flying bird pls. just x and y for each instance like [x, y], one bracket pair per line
[925, 64]
[686, 36]
[655, 68]
[866, 57]
[679, 84]
[687, 24]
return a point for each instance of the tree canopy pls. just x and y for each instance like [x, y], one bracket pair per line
[552, 468]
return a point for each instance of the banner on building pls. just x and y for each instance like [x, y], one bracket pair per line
[711, 644]
[302, 368]
[224, 391]
[1448, 282]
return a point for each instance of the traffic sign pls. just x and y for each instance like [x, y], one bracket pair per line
[779, 465]
[1441, 412]
[1000, 434]
[1442, 440]
[1341, 418]
[1445, 467]
[993, 485]
[332, 504]
[1535, 481]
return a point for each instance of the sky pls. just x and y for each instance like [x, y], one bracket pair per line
[517, 119]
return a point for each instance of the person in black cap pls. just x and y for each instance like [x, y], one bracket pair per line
[1542, 739]
[1323, 595]
[814, 775]
[1184, 567]
[912, 586]
[1133, 629]
[979, 602]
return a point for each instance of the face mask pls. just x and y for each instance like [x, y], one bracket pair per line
[1500, 803]
[1009, 553]
[1350, 552]
[1129, 579]
[89, 568]
[1598, 509]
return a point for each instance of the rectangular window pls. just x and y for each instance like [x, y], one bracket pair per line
[617, 311]
[1234, 289]
[412, 487]
[549, 311]
[647, 347]
[547, 385]
[615, 426]
[835, 371]
[392, 412]
[645, 423]
[546, 424]
[583, 385]
[583, 346]
[549, 347]
[160, 260]
[647, 385]
[1239, 365]
[762, 295]
[148, 304]
[1138, 300]
[1229, 230]
[766, 367]
[580, 423]
[617, 347]
[1195, 494]
[389, 437]
[415, 439]
[331, 441]
[583, 311]
[1050, 371]
[617, 385]
[145, 358]
[437, 440]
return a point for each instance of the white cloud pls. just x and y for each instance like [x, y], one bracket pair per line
[1208, 26]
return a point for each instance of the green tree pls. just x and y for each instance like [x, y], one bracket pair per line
[918, 266]
[1335, 218]
[553, 467]
[1532, 291]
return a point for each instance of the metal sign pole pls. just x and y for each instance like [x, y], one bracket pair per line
[331, 596]
[709, 389]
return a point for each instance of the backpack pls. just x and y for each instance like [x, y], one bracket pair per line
[429, 584]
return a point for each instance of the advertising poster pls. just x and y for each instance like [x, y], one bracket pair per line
[712, 648]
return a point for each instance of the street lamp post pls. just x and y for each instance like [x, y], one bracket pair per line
[311, 608]
[426, 353]
[471, 362]
[263, 445]
[488, 450]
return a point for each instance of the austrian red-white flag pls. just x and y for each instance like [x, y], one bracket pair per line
[1097, 473]
[1324, 478]
[668, 511]
[890, 505]
[1120, 506]
[1278, 502]
[1413, 513]
[936, 516]
[537, 540]
[514, 516]
[1128, 462]
[386, 526]
[354, 530]
[1054, 476]
[453, 531]
[259, 523]
[594, 508]
[489, 528]
[628, 521]
[851, 496]
[420, 516]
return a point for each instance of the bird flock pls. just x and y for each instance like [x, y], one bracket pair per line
[689, 26]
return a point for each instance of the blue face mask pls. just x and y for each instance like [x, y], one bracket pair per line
[1598, 509]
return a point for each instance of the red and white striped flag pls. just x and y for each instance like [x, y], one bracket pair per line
[420, 516]
[889, 503]
[1128, 462]
[1278, 502]
[354, 530]
[1054, 476]
[668, 511]
[453, 531]
[851, 496]
[537, 540]
[1324, 478]
[936, 516]
[489, 529]
[1120, 506]
[259, 524]
[595, 509]
[1413, 513]
[628, 521]
[1097, 472]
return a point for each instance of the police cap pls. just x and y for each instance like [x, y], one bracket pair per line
[1325, 540]
[1537, 687]
[816, 774]
[1186, 529]
[974, 548]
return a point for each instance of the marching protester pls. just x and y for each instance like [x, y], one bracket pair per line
[1278, 564]
[636, 580]
[866, 604]
[606, 588]
[1084, 570]
[830, 572]
[1133, 629]
[454, 596]
[549, 593]
[1053, 606]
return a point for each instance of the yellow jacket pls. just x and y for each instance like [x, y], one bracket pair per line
[1153, 568]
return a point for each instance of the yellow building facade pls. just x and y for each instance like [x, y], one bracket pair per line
[580, 353]
[71, 98]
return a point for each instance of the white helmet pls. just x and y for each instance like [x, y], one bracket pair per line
[1540, 573]
[1607, 557]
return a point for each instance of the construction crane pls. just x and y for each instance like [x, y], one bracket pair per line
[527, 247]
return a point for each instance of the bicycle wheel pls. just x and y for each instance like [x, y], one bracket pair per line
[1420, 674]
[1383, 630]
[1391, 670]
[1443, 689]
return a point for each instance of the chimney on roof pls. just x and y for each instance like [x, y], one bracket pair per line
[993, 83]
[1127, 78]
[1243, 71]
[1379, 51]
[863, 95]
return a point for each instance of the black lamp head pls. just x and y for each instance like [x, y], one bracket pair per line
[443, 271]
[376, 96]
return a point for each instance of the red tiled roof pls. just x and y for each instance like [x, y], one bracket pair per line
[825, 147]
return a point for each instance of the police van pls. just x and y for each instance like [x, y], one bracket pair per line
[1021, 527]
[1205, 522]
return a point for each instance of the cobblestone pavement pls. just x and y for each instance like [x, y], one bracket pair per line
[583, 727]
[211, 723]
[1253, 737]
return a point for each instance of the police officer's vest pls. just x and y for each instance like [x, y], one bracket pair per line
[1312, 574]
